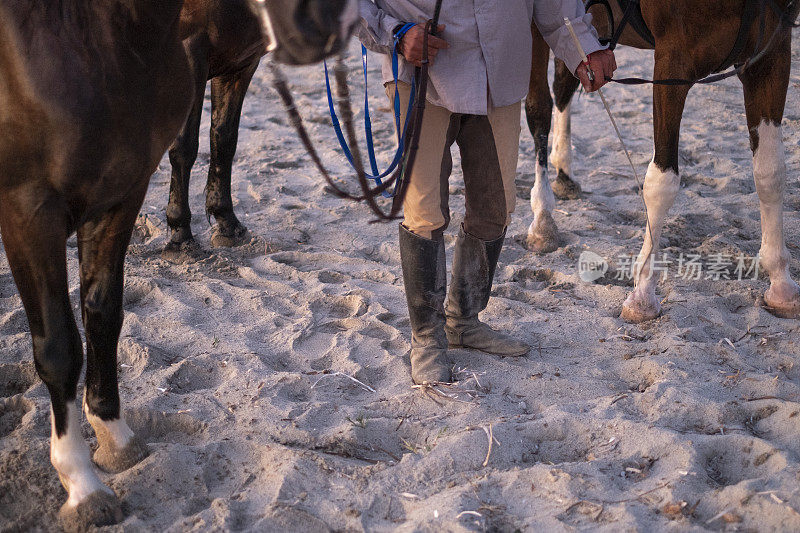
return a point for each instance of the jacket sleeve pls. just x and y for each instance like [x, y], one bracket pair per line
[375, 30]
[549, 17]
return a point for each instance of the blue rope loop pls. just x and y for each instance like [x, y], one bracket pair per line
[376, 175]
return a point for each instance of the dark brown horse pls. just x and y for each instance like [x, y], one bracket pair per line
[693, 39]
[91, 95]
[224, 45]
[223, 42]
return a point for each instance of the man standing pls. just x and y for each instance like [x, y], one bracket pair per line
[479, 74]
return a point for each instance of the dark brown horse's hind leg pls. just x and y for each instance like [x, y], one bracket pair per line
[543, 232]
[564, 87]
[765, 86]
[182, 156]
[102, 245]
[36, 250]
[227, 97]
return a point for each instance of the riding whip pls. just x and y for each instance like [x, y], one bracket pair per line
[590, 74]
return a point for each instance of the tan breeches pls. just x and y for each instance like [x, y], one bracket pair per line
[489, 149]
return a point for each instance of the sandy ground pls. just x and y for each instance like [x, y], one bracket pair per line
[236, 369]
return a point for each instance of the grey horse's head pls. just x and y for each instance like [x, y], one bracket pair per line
[299, 32]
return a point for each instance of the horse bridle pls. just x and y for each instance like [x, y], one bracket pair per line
[401, 177]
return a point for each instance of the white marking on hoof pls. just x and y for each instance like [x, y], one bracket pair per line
[114, 432]
[119, 449]
[70, 457]
[769, 172]
[783, 300]
[561, 154]
[640, 306]
[543, 232]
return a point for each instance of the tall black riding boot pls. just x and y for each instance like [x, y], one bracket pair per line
[425, 277]
[474, 263]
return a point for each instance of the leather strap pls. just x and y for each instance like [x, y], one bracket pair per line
[749, 15]
[637, 21]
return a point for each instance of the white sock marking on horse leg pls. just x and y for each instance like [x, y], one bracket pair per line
[769, 172]
[660, 190]
[70, 456]
[561, 154]
[542, 198]
[116, 430]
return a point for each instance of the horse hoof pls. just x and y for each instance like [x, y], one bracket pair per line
[543, 234]
[184, 252]
[783, 306]
[112, 459]
[237, 237]
[564, 188]
[638, 309]
[99, 509]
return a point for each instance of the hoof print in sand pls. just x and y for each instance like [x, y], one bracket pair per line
[238, 237]
[333, 306]
[584, 514]
[12, 410]
[156, 426]
[186, 252]
[728, 460]
[332, 277]
[286, 518]
[16, 378]
[136, 290]
[192, 376]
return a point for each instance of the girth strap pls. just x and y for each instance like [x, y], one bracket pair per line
[752, 9]
[632, 14]
[636, 20]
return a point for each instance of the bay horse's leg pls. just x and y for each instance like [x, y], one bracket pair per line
[34, 229]
[227, 97]
[542, 233]
[102, 245]
[564, 87]
[765, 86]
[661, 186]
[183, 154]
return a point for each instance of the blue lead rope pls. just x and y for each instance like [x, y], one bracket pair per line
[376, 175]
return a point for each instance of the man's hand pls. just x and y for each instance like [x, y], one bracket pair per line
[603, 65]
[411, 44]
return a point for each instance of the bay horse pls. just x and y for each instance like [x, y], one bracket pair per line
[692, 39]
[91, 95]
